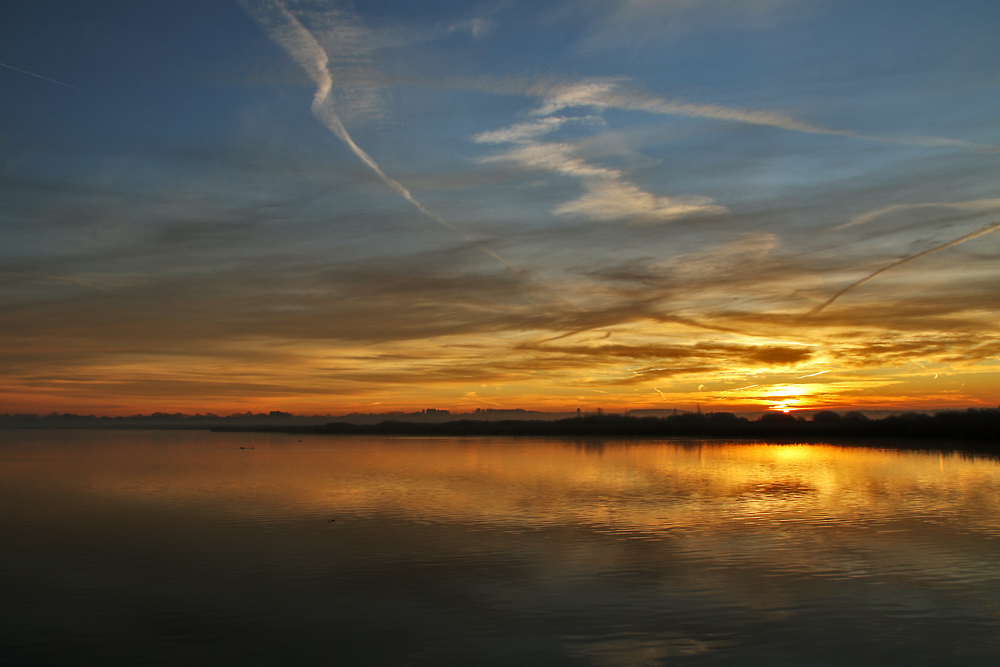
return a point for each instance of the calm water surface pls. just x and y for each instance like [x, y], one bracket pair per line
[169, 548]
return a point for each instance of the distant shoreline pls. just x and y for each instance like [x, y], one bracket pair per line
[975, 427]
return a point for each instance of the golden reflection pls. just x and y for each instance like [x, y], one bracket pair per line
[643, 487]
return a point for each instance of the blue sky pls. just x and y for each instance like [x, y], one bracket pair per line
[326, 206]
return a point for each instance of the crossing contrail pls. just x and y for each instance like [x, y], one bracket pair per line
[285, 29]
[39, 76]
[945, 246]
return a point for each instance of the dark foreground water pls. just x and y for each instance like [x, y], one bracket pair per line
[181, 548]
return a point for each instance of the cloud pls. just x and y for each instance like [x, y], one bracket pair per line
[557, 158]
[477, 27]
[594, 93]
[523, 132]
[615, 200]
[608, 196]
[781, 355]
[705, 352]
[480, 25]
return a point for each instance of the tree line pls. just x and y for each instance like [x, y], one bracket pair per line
[974, 424]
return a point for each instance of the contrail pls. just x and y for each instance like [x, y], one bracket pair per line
[62, 279]
[963, 239]
[749, 386]
[39, 76]
[974, 205]
[610, 93]
[302, 46]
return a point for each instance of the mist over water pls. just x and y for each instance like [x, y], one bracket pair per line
[164, 548]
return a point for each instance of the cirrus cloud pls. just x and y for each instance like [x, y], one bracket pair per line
[608, 196]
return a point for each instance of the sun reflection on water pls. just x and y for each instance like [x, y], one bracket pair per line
[627, 486]
[584, 552]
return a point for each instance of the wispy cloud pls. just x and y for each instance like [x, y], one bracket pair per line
[608, 195]
[616, 200]
[480, 24]
[477, 27]
[558, 158]
[525, 132]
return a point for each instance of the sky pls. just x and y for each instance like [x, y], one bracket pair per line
[330, 207]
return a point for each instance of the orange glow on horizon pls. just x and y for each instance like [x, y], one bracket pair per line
[462, 373]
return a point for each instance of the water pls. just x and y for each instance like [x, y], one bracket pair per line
[167, 548]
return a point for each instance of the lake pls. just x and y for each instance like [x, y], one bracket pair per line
[197, 548]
